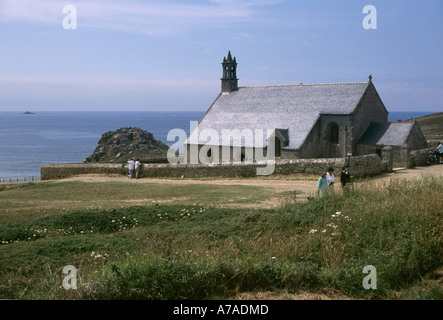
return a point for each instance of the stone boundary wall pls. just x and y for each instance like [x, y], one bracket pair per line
[367, 165]
[419, 157]
[60, 171]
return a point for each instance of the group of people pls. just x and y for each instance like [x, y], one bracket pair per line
[134, 167]
[327, 180]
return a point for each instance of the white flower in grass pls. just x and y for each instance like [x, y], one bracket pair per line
[337, 214]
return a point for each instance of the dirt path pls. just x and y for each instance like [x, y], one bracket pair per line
[304, 184]
[413, 173]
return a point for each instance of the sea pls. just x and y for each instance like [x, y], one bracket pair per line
[28, 141]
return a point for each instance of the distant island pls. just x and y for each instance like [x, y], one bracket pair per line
[27, 112]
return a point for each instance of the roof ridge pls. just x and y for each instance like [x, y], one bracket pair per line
[302, 84]
[394, 122]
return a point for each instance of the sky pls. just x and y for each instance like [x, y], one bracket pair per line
[108, 55]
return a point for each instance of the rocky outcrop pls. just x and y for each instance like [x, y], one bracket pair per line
[118, 146]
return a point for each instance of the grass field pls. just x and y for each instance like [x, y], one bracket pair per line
[196, 247]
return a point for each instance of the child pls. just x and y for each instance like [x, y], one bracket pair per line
[345, 177]
[322, 185]
[330, 177]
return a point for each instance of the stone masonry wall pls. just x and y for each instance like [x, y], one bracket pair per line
[420, 157]
[359, 166]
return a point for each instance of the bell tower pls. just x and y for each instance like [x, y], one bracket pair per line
[229, 79]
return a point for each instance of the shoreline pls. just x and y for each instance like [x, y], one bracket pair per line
[393, 115]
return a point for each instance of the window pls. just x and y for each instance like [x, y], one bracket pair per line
[334, 133]
[277, 147]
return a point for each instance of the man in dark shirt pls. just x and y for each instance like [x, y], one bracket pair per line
[345, 177]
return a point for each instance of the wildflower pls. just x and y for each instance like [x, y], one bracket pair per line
[312, 231]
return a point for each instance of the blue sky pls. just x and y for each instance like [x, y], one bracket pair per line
[166, 55]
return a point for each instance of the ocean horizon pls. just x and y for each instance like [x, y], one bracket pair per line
[28, 141]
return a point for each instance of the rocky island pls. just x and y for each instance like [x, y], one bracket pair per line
[117, 146]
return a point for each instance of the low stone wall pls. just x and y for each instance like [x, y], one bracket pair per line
[60, 171]
[370, 165]
[420, 157]
[359, 166]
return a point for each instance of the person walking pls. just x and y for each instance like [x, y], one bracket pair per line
[131, 166]
[137, 166]
[322, 185]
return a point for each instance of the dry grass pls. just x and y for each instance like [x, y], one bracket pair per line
[301, 250]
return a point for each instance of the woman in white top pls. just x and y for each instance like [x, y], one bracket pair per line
[330, 177]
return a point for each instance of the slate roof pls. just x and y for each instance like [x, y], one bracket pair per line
[387, 133]
[294, 108]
